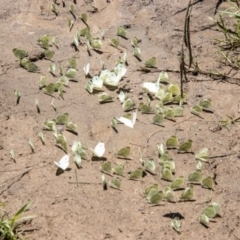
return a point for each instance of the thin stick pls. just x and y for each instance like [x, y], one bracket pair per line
[76, 177]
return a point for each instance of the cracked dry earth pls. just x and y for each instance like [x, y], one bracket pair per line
[85, 211]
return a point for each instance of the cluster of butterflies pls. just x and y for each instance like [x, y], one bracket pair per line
[98, 151]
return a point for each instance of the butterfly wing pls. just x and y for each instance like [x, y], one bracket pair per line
[63, 162]
[99, 150]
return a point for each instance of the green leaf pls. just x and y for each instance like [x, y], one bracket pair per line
[136, 175]
[151, 63]
[156, 198]
[124, 153]
[177, 183]
[122, 32]
[115, 42]
[128, 104]
[196, 176]
[176, 224]
[115, 183]
[203, 219]
[106, 167]
[172, 142]
[17, 215]
[118, 170]
[72, 127]
[208, 183]
[62, 119]
[104, 98]
[202, 155]
[167, 174]
[71, 73]
[20, 53]
[186, 146]
[187, 194]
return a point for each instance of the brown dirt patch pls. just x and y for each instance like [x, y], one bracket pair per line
[65, 211]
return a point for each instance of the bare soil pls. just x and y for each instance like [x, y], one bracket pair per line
[68, 211]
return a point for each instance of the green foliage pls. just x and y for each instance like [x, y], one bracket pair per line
[10, 227]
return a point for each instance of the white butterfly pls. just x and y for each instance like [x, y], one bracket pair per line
[122, 96]
[151, 87]
[160, 149]
[63, 162]
[86, 69]
[112, 79]
[97, 83]
[120, 70]
[99, 150]
[128, 122]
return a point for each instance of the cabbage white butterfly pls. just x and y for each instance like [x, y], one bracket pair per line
[86, 69]
[128, 122]
[63, 162]
[99, 150]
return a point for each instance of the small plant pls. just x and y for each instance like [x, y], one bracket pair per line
[230, 43]
[10, 227]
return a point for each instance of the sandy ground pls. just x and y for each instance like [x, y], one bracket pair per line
[85, 211]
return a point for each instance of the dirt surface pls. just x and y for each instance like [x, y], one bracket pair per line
[68, 211]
